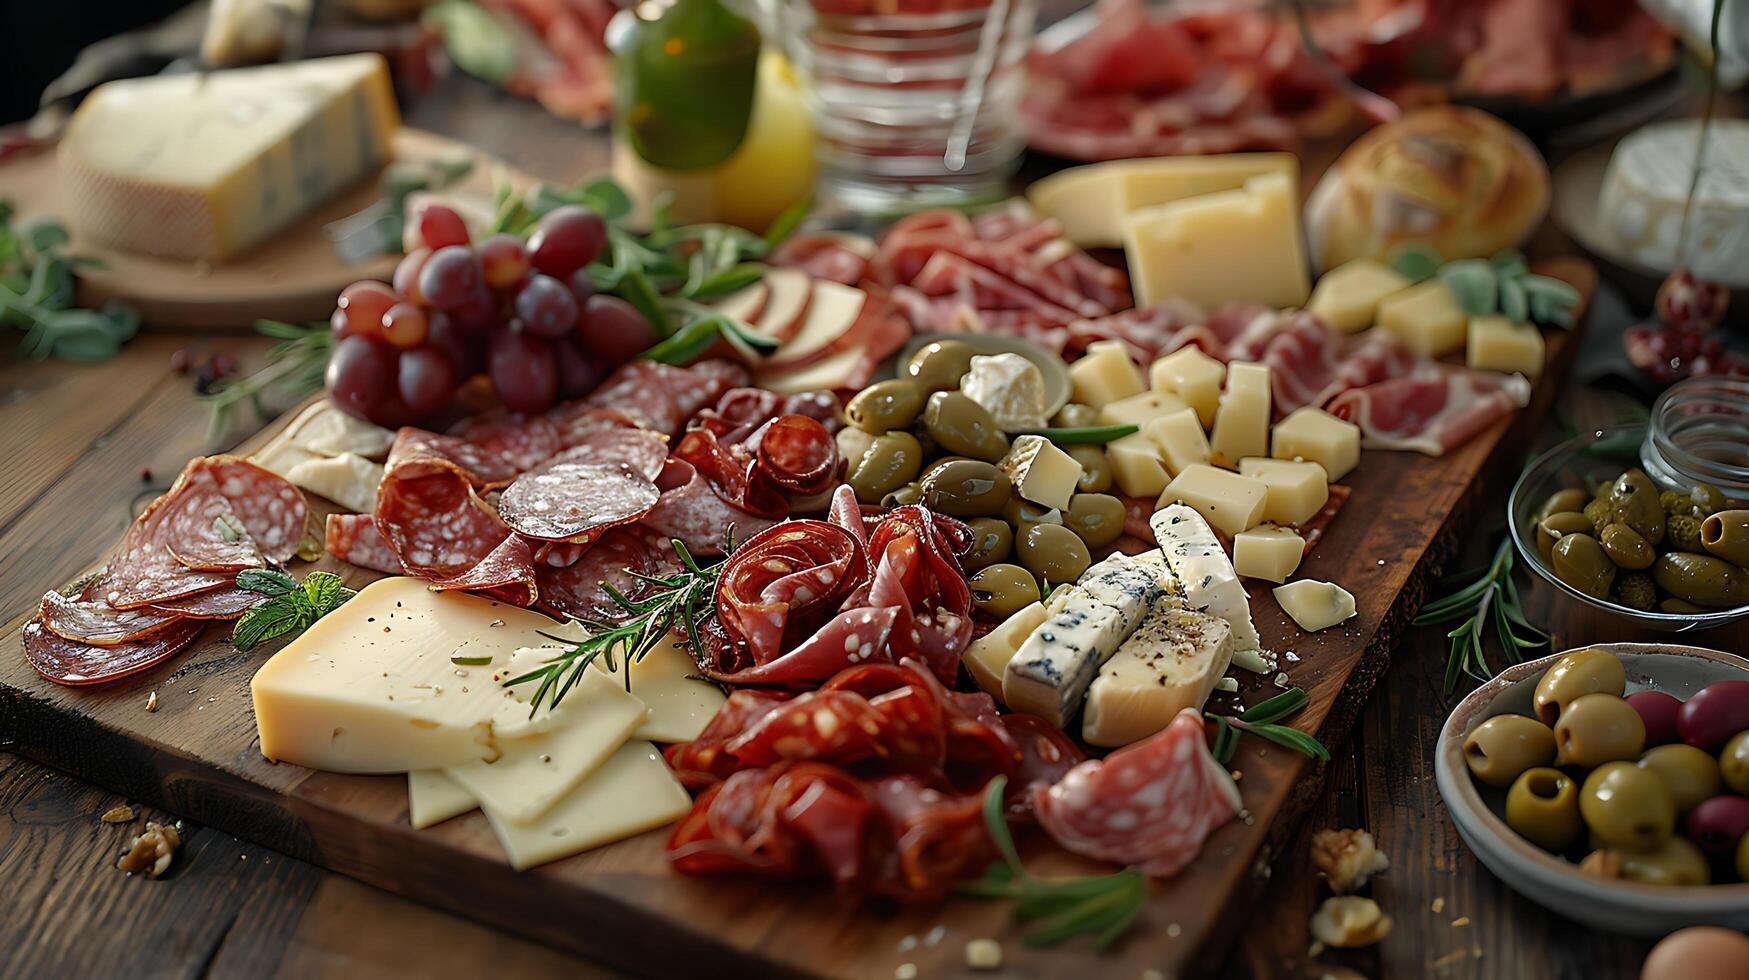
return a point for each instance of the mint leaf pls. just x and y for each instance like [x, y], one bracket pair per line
[266, 622]
[326, 592]
[266, 581]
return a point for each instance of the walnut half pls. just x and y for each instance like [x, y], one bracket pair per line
[1349, 921]
[151, 850]
[1347, 858]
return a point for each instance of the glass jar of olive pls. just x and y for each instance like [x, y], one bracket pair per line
[1699, 433]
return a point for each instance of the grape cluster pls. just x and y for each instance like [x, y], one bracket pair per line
[524, 314]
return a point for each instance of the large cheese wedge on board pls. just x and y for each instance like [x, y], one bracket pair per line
[1237, 246]
[1090, 202]
[205, 165]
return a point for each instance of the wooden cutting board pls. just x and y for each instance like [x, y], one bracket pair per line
[197, 756]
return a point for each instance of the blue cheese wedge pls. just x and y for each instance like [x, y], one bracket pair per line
[1170, 663]
[1207, 577]
[1010, 387]
[1315, 605]
[1050, 672]
[1125, 584]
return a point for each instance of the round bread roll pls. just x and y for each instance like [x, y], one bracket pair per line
[1452, 178]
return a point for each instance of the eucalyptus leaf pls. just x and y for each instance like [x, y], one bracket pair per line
[1415, 262]
[1473, 284]
[1513, 302]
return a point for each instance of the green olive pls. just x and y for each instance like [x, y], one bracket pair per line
[1726, 535]
[1633, 500]
[1627, 807]
[1701, 579]
[885, 406]
[1691, 774]
[1707, 499]
[1543, 806]
[939, 462]
[1682, 606]
[1734, 763]
[1625, 546]
[1504, 746]
[1579, 561]
[992, 540]
[1052, 552]
[1095, 469]
[1578, 673]
[890, 461]
[1076, 416]
[966, 488]
[940, 365]
[1561, 501]
[1598, 728]
[1024, 513]
[852, 443]
[1003, 590]
[1556, 526]
[1096, 517]
[960, 425]
[1673, 861]
[910, 493]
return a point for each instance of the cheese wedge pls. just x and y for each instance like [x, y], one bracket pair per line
[433, 798]
[632, 792]
[1170, 663]
[325, 430]
[1041, 472]
[1234, 246]
[1315, 605]
[1207, 577]
[348, 479]
[987, 657]
[1090, 202]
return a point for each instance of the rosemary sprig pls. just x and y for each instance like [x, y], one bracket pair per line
[1099, 905]
[294, 369]
[1489, 604]
[1259, 720]
[290, 608]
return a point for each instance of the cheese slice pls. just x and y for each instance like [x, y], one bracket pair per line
[325, 430]
[667, 682]
[632, 792]
[204, 165]
[1170, 663]
[1090, 202]
[1234, 246]
[348, 479]
[1207, 577]
[845, 369]
[1315, 605]
[988, 655]
[433, 798]
[1041, 472]
[1242, 421]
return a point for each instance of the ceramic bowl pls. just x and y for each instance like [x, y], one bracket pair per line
[1548, 879]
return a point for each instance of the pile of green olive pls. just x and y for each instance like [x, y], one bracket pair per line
[1628, 543]
[1656, 789]
[918, 439]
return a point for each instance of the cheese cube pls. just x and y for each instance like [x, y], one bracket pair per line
[1170, 663]
[1194, 377]
[1105, 374]
[1297, 489]
[1180, 438]
[988, 655]
[1498, 344]
[1316, 435]
[1348, 296]
[1267, 552]
[1228, 501]
[1041, 472]
[1426, 317]
[1138, 467]
[1139, 410]
[1242, 421]
[1237, 246]
[1314, 605]
[1090, 202]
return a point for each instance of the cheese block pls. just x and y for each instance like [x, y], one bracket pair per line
[632, 792]
[204, 165]
[1236, 246]
[1315, 605]
[1207, 577]
[666, 680]
[845, 369]
[1646, 190]
[1495, 343]
[1228, 501]
[1298, 489]
[1194, 377]
[433, 798]
[1180, 439]
[1139, 410]
[1105, 374]
[1041, 472]
[1050, 672]
[1348, 296]
[1010, 387]
[1426, 318]
[1268, 552]
[1171, 662]
[1242, 422]
[987, 657]
[1091, 202]
[1138, 466]
[1316, 435]
[348, 479]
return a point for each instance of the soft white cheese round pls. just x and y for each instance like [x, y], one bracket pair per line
[1646, 186]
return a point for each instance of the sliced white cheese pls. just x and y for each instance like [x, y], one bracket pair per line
[831, 311]
[1207, 577]
[1050, 672]
[282, 454]
[829, 373]
[1010, 387]
[325, 430]
[1170, 663]
[348, 479]
[667, 681]
[791, 293]
[988, 655]
[1041, 472]
[1315, 605]
[433, 798]
[630, 793]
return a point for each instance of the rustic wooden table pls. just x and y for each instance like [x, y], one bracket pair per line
[82, 442]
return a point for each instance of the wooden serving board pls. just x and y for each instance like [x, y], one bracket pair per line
[198, 757]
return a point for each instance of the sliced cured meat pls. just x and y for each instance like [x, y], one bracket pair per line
[576, 501]
[507, 573]
[938, 838]
[417, 452]
[353, 539]
[435, 524]
[734, 472]
[1149, 805]
[507, 443]
[799, 454]
[218, 604]
[93, 621]
[641, 449]
[271, 508]
[1150, 333]
[1432, 411]
[784, 583]
[201, 530]
[141, 570]
[575, 421]
[661, 396]
[73, 663]
[833, 256]
[618, 559]
[691, 510]
[1046, 756]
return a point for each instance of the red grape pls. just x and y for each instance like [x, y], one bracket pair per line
[578, 372]
[614, 329]
[361, 372]
[523, 371]
[505, 259]
[582, 287]
[407, 275]
[462, 349]
[547, 308]
[567, 239]
[478, 313]
[405, 325]
[440, 226]
[427, 379]
[364, 304]
[451, 277]
[337, 324]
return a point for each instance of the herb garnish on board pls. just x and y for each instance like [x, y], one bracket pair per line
[1489, 602]
[37, 295]
[1260, 720]
[290, 608]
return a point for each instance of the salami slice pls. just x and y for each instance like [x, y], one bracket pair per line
[662, 397]
[201, 530]
[141, 570]
[799, 454]
[93, 621]
[785, 583]
[509, 443]
[690, 510]
[575, 421]
[642, 450]
[270, 507]
[617, 559]
[353, 539]
[219, 604]
[576, 501]
[73, 663]
[435, 524]
[507, 574]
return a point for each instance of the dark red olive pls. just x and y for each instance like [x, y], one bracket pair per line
[1719, 823]
[1714, 714]
[1658, 710]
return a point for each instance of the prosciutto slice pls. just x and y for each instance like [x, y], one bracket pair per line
[1432, 411]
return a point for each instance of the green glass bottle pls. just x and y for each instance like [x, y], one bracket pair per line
[685, 73]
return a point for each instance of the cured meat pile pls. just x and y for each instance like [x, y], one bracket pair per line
[174, 569]
[561, 54]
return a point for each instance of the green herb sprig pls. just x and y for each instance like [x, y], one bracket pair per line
[1503, 284]
[1085, 435]
[1260, 720]
[37, 296]
[290, 608]
[1102, 906]
[1489, 604]
[294, 370]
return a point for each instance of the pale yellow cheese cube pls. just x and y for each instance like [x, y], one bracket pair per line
[1267, 552]
[1425, 317]
[1180, 438]
[1137, 465]
[1316, 435]
[1041, 472]
[1105, 374]
[1297, 489]
[1139, 410]
[1194, 377]
[1229, 502]
[988, 655]
[1498, 344]
[1237, 246]
[1348, 296]
[1242, 422]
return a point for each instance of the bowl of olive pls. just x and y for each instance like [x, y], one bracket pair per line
[1604, 533]
[1610, 784]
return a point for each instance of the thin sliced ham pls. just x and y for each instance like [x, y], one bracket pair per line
[1432, 411]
